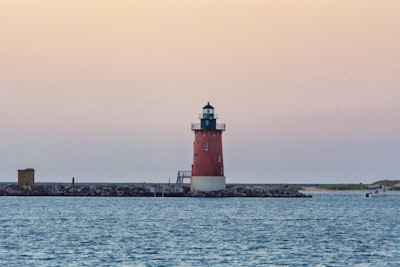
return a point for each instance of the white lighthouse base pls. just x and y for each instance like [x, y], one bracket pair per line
[207, 183]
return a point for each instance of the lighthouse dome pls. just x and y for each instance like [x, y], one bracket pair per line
[208, 106]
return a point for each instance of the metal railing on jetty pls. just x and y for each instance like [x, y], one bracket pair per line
[180, 179]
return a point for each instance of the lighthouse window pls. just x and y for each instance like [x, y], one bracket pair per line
[194, 157]
[206, 146]
[219, 158]
[207, 122]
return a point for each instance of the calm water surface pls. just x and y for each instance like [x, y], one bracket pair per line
[330, 229]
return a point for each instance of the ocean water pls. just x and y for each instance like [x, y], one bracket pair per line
[330, 229]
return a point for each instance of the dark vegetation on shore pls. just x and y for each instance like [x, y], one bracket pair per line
[388, 184]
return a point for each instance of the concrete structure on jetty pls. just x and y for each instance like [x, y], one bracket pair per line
[26, 177]
[143, 190]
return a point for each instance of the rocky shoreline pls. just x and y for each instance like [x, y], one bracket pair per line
[144, 190]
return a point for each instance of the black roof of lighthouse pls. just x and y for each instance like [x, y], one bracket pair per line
[208, 106]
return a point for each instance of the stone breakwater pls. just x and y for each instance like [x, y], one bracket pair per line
[144, 190]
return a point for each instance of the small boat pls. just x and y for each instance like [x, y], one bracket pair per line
[376, 193]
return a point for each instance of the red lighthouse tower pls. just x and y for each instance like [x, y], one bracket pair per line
[208, 164]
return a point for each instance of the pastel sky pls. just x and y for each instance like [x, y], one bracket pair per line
[105, 91]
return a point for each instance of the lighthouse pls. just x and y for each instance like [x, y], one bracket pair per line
[208, 163]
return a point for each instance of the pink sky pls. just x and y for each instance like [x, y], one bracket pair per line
[106, 90]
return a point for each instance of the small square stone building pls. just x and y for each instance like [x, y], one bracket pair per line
[26, 177]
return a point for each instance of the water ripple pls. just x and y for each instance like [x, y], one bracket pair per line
[327, 230]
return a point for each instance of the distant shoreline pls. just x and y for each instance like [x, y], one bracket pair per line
[309, 190]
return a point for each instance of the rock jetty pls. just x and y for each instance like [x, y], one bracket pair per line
[143, 190]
